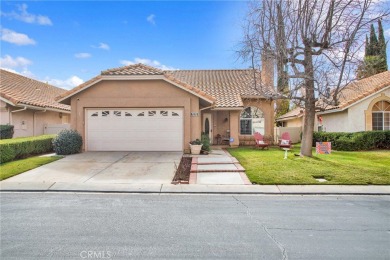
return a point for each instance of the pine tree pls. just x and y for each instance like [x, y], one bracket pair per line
[382, 45]
[373, 48]
[375, 60]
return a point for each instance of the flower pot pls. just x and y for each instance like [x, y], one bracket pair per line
[195, 148]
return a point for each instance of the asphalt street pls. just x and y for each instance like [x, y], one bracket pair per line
[129, 226]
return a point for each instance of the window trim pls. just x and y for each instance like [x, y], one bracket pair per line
[382, 113]
[251, 119]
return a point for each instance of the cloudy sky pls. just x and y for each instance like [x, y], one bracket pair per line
[66, 43]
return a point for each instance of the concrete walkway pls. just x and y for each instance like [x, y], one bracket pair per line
[217, 168]
[194, 189]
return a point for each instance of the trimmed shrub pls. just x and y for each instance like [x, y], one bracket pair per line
[67, 142]
[355, 141]
[205, 139]
[6, 131]
[18, 148]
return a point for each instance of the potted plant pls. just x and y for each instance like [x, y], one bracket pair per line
[196, 146]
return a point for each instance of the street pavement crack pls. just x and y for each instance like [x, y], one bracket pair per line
[266, 230]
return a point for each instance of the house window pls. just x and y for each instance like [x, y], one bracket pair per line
[117, 113]
[251, 121]
[381, 116]
[164, 113]
[105, 113]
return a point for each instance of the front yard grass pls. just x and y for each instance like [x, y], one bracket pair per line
[13, 168]
[340, 168]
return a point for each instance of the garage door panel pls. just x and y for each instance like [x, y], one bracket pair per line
[135, 130]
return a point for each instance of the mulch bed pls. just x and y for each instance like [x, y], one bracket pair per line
[183, 171]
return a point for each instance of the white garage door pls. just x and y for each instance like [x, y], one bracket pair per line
[134, 130]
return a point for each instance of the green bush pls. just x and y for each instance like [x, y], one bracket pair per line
[67, 142]
[355, 141]
[17, 148]
[205, 139]
[6, 131]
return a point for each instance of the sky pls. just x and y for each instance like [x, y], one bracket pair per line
[66, 43]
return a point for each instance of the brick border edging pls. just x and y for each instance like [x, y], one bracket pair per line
[193, 178]
[245, 178]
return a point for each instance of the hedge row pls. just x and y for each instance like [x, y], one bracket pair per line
[355, 141]
[6, 131]
[12, 149]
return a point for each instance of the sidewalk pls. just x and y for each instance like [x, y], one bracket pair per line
[194, 189]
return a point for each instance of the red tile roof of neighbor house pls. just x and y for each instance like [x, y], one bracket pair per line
[20, 90]
[357, 90]
[352, 93]
[225, 87]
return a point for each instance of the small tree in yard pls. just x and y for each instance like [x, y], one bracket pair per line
[315, 42]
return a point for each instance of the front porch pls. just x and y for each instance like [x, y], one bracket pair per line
[235, 126]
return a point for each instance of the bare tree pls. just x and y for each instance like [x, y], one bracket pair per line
[318, 41]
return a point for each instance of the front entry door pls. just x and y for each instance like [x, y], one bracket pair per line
[208, 126]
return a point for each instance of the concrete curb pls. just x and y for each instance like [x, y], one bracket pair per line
[195, 189]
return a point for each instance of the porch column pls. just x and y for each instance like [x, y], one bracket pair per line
[234, 121]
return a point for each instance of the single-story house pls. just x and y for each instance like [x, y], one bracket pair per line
[30, 106]
[364, 105]
[142, 108]
[293, 118]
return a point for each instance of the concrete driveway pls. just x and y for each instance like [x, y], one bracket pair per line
[106, 167]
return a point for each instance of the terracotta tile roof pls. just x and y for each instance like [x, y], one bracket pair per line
[70, 93]
[136, 69]
[225, 87]
[295, 113]
[351, 93]
[359, 89]
[21, 90]
[228, 87]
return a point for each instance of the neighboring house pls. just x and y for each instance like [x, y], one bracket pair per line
[141, 108]
[293, 118]
[364, 105]
[30, 105]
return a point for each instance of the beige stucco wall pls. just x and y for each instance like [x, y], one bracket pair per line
[32, 122]
[29, 122]
[137, 94]
[294, 122]
[220, 124]
[4, 113]
[354, 118]
[335, 122]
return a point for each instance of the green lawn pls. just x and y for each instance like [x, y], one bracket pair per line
[13, 168]
[269, 167]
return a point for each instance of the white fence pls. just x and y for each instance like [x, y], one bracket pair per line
[295, 133]
[55, 128]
